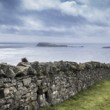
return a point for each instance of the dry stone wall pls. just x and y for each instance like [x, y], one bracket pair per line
[29, 86]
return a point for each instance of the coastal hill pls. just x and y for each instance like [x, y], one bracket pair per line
[46, 44]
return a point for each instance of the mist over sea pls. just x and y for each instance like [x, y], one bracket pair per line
[12, 53]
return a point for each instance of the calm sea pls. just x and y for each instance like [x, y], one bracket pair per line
[13, 52]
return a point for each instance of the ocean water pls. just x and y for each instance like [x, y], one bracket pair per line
[12, 53]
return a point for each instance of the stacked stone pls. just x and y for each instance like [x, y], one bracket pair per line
[29, 86]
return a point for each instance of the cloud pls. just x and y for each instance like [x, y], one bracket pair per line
[39, 4]
[73, 18]
[69, 8]
[89, 9]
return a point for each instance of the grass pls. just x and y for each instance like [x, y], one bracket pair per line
[96, 97]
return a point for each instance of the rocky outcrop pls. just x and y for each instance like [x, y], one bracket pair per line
[107, 47]
[45, 44]
[29, 86]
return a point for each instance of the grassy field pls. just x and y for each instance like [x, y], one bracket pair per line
[96, 97]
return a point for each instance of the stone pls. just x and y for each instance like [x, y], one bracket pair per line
[35, 65]
[10, 73]
[2, 74]
[8, 70]
[25, 64]
[25, 70]
[2, 102]
[33, 106]
[27, 81]
[17, 95]
[1, 83]
[31, 71]
[82, 66]
[33, 97]
[39, 82]
[22, 71]
[2, 95]
[13, 89]
[6, 91]
[24, 60]
[42, 100]
[10, 101]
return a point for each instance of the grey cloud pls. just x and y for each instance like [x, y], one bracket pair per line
[9, 12]
[10, 30]
[10, 20]
[10, 4]
[56, 18]
[91, 18]
[101, 4]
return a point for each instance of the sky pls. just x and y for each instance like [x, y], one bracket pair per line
[85, 21]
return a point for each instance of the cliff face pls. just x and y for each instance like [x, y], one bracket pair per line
[29, 86]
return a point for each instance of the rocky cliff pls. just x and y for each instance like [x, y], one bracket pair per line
[29, 86]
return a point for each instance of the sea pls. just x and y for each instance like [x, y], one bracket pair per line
[12, 53]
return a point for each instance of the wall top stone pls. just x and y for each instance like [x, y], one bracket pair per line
[46, 68]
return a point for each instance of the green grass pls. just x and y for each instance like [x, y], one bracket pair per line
[96, 97]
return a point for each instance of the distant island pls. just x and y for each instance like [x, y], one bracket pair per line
[45, 44]
[107, 47]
